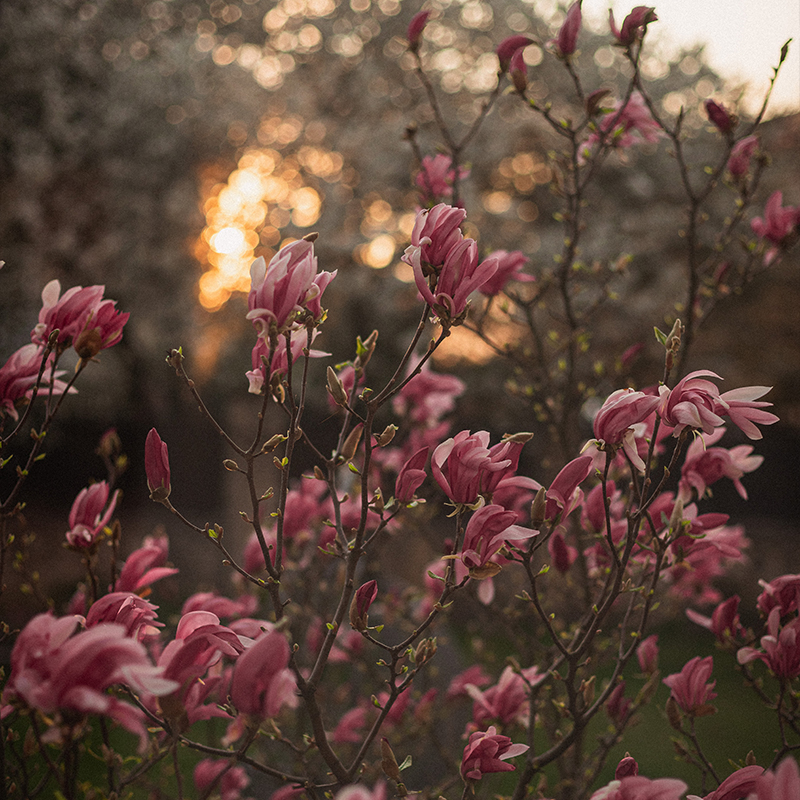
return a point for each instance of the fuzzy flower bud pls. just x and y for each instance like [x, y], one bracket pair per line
[415, 28]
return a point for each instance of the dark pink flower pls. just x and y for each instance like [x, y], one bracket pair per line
[563, 495]
[156, 465]
[783, 593]
[279, 291]
[351, 726]
[488, 752]
[563, 555]
[230, 780]
[415, 28]
[743, 408]
[66, 313]
[689, 687]
[742, 152]
[509, 46]
[436, 231]
[472, 676]
[507, 701]
[738, 785]
[779, 225]
[427, 397]
[719, 115]
[145, 565]
[90, 512]
[780, 648]
[518, 70]
[359, 607]
[244, 606]
[623, 127]
[626, 768]
[436, 176]
[634, 25]
[724, 622]
[488, 529]
[567, 39]
[411, 476]
[101, 329]
[618, 706]
[509, 266]
[261, 375]
[262, 681]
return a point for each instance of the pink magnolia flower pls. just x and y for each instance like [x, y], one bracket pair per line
[56, 672]
[261, 375]
[427, 397]
[563, 495]
[692, 403]
[262, 681]
[359, 607]
[488, 752]
[506, 701]
[156, 465]
[647, 654]
[780, 648]
[567, 39]
[563, 555]
[623, 127]
[351, 726]
[446, 290]
[278, 291]
[613, 425]
[778, 222]
[134, 613]
[634, 25]
[436, 231]
[66, 313]
[783, 593]
[724, 622]
[784, 782]
[705, 465]
[724, 121]
[626, 768]
[742, 152]
[90, 512]
[18, 377]
[360, 792]
[689, 687]
[145, 565]
[509, 266]
[488, 529]
[743, 407]
[471, 676]
[230, 780]
[464, 466]
[415, 28]
[618, 706]
[102, 329]
[518, 70]
[509, 46]
[225, 607]
[736, 786]
[436, 176]
[637, 787]
[411, 476]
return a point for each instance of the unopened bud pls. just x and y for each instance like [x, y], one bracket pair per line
[389, 763]
[518, 438]
[272, 443]
[676, 518]
[365, 349]
[627, 768]
[351, 443]
[415, 28]
[319, 474]
[230, 465]
[587, 689]
[750, 759]
[359, 606]
[336, 388]
[425, 651]
[311, 237]
[538, 507]
[386, 437]
[175, 358]
[674, 714]
[594, 102]
[518, 70]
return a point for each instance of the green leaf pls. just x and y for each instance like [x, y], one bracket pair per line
[661, 337]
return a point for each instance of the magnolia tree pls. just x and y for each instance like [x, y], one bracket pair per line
[317, 672]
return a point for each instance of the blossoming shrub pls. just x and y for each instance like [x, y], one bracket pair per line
[317, 671]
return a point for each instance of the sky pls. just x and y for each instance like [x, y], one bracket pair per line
[743, 38]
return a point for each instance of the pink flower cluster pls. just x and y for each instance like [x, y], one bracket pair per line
[436, 177]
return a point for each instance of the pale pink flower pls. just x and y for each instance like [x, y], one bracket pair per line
[262, 681]
[689, 687]
[225, 607]
[278, 291]
[567, 39]
[145, 565]
[436, 177]
[360, 792]
[506, 49]
[509, 266]
[351, 726]
[624, 126]
[743, 408]
[18, 377]
[618, 706]
[427, 397]
[488, 752]
[260, 376]
[741, 153]
[487, 531]
[436, 231]
[89, 514]
[472, 676]
[634, 25]
[779, 226]
[507, 701]
[156, 466]
[781, 784]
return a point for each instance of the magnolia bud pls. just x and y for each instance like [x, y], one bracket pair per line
[336, 389]
[365, 349]
[359, 606]
[386, 437]
[538, 507]
[350, 445]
